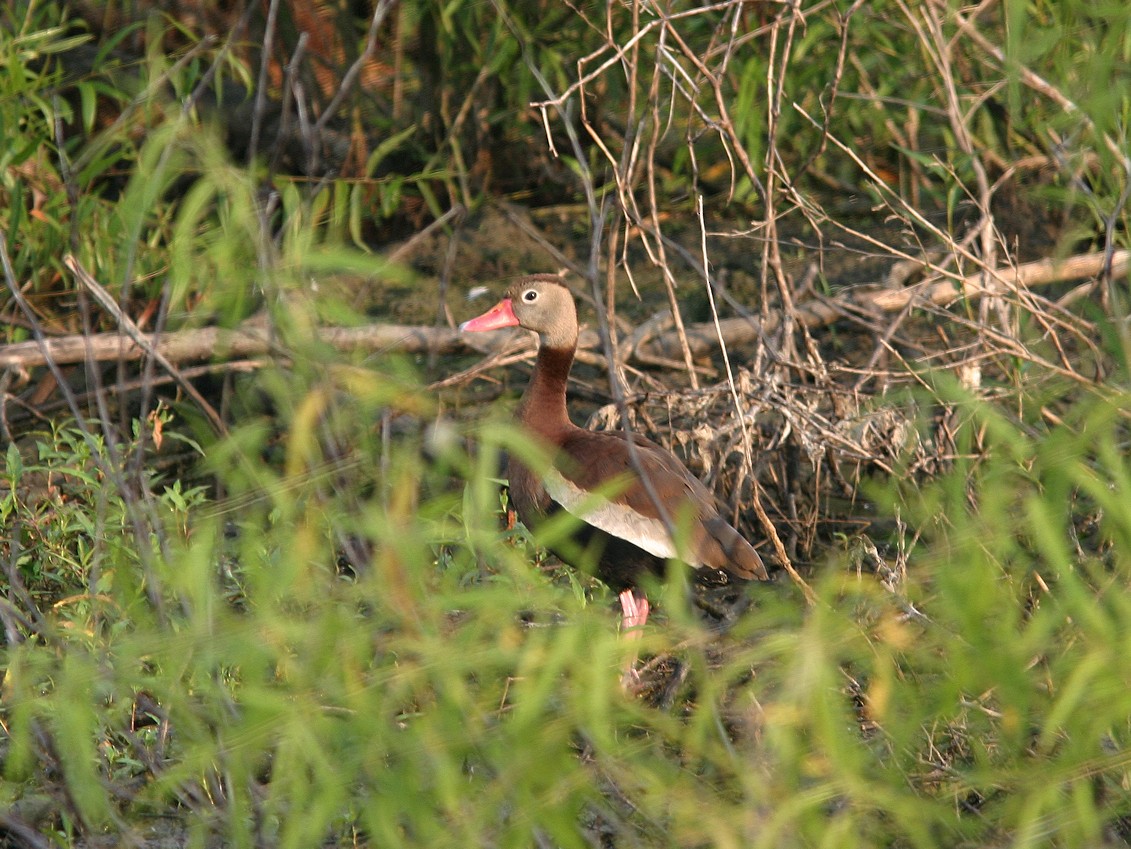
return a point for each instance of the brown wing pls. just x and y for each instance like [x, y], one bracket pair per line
[594, 458]
[527, 495]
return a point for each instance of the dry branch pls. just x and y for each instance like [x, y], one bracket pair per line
[253, 339]
[208, 342]
[935, 292]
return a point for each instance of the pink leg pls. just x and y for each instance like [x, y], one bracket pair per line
[635, 611]
[635, 615]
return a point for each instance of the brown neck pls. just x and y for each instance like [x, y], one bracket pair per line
[543, 406]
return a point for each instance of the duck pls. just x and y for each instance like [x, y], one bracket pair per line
[638, 508]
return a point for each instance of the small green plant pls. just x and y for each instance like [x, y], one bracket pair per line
[69, 521]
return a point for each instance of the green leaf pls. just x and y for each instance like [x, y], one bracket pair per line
[14, 464]
[386, 147]
[88, 95]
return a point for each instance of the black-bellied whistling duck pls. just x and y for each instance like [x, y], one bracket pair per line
[630, 533]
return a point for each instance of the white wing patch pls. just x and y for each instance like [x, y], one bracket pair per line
[612, 518]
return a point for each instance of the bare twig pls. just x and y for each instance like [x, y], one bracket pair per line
[261, 83]
[110, 135]
[23, 832]
[379, 14]
[145, 527]
[288, 97]
[235, 36]
[779, 548]
[141, 339]
[405, 250]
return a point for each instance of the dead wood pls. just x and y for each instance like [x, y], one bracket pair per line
[206, 343]
[702, 338]
[253, 339]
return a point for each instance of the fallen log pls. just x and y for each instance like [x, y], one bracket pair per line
[214, 342]
[253, 339]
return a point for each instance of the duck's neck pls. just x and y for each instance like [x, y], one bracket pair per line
[543, 405]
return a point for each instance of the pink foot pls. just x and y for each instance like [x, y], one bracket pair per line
[635, 614]
[635, 609]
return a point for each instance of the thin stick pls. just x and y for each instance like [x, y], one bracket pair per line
[379, 14]
[261, 83]
[288, 95]
[112, 471]
[110, 135]
[142, 340]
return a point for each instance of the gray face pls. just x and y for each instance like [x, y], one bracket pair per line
[547, 309]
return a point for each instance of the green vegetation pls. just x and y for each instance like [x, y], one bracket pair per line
[315, 627]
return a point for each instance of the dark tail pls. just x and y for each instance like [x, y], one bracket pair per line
[734, 554]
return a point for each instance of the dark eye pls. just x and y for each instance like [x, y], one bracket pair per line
[530, 295]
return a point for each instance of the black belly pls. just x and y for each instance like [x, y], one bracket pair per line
[614, 561]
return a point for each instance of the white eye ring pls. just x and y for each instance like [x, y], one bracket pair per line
[530, 295]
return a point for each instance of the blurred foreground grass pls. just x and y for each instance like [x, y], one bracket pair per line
[450, 694]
